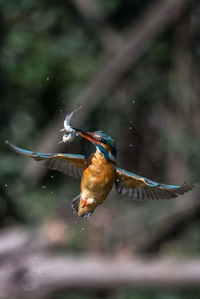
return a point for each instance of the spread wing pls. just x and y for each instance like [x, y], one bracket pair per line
[137, 187]
[68, 163]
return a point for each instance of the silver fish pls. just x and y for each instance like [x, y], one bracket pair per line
[70, 133]
[69, 137]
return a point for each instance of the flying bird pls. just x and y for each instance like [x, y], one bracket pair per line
[99, 172]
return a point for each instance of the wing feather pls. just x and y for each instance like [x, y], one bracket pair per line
[68, 163]
[138, 188]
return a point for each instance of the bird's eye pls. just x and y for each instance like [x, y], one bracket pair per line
[99, 138]
[102, 140]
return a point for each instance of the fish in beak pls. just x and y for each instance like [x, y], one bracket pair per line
[70, 132]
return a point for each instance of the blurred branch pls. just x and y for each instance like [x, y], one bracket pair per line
[29, 271]
[90, 12]
[19, 240]
[150, 25]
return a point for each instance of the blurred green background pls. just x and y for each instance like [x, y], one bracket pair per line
[51, 53]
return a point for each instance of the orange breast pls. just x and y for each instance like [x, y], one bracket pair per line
[97, 180]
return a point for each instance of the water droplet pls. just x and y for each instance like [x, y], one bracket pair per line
[133, 102]
[6, 185]
[130, 121]
[44, 187]
[131, 145]
[47, 78]
[130, 128]
[82, 228]
[52, 192]
[52, 176]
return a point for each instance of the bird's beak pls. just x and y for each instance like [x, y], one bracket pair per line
[89, 136]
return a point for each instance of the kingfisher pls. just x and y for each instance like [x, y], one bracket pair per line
[99, 172]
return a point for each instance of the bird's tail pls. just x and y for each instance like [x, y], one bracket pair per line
[75, 207]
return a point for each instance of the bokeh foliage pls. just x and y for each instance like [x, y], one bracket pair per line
[48, 54]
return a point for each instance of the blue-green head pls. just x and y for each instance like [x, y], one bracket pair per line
[103, 142]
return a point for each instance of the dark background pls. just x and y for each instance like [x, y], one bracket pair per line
[134, 66]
